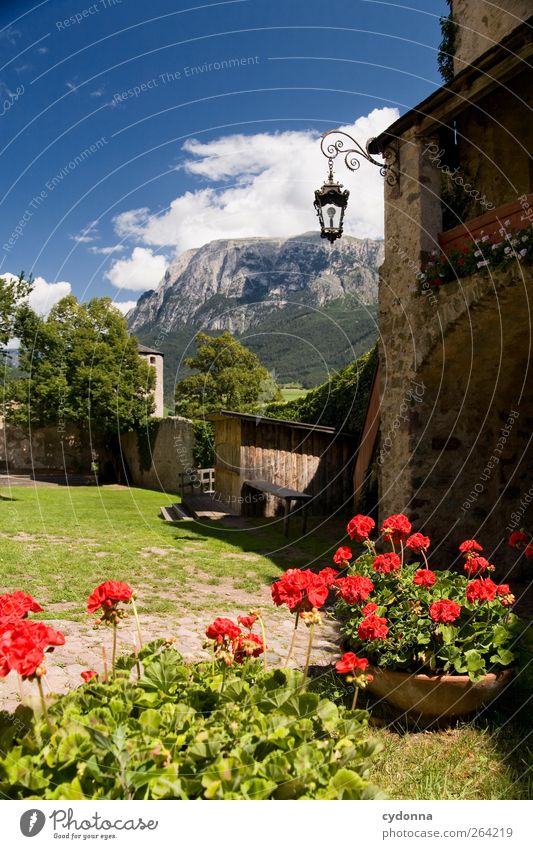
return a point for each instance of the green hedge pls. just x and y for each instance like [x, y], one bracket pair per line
[183, 732]
[341, 402]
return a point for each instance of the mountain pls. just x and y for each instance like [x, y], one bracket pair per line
[304, 306]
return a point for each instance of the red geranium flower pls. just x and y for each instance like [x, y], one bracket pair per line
[396, 528]
[247, 645]
[88, 674]
[17, 605]
[469, 546]
[328, 575]
[528, 551]
[354, 588]
[301, 590]
[247, 621]
[108, 594]
[518, 539]
[221, 628]
[316, 591]
[387, 562]
[481, 590]
[373, 628]
[23, 644]
[418, 543]
[503, 591]
[360, 527]
[369, 608]
[424, 578]
[342, 553]
[444, 610]
[476, 565]
[349, 662]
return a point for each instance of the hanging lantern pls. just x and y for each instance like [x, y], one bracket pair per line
[330, 203]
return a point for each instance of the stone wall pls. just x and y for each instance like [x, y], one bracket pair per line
[482, 24]
[48, 450]
[171, 454]
[456, 397]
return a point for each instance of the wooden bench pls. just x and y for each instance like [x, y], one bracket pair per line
[287, 496]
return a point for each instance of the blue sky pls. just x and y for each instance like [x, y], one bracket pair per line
[132, 131]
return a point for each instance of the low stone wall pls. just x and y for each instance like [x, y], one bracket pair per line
[48, 450]
[170, 446]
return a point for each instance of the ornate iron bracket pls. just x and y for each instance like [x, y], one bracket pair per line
[334, 143]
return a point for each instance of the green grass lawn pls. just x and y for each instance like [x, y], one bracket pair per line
[58, 543]
[293, 394]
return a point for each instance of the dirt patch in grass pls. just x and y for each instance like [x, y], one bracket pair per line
[154, 551]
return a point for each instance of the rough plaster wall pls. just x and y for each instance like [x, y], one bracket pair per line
[48, 449]
[453, 368]
[172, 454]
[483, 23]
[495, 144]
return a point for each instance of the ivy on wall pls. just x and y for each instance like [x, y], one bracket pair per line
[448, 28]
[146, 439]
[341, 402]
[203, 451]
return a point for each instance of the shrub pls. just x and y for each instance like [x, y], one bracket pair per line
[188, 731]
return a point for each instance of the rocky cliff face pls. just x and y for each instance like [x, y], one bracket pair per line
[236, 284]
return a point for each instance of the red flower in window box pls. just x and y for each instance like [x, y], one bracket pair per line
[373, 628]
[354, 588]
[469, 547]
[396, 528]
[481, 590]
[444, 610]
[388, 562]
[418, 543]
[518, 539]
[360, 527]
[424, 578]
[342, 554]
[477, 565]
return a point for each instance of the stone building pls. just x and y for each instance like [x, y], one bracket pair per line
[455, 359]
[156, 360]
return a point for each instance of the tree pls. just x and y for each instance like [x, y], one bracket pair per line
[81, 366]
[13, 290]
[229, 377]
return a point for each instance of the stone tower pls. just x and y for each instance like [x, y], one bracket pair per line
[155, 359]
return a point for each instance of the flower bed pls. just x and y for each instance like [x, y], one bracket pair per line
[176, 733]
[150, 726]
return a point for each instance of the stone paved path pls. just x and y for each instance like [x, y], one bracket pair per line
[82, 649]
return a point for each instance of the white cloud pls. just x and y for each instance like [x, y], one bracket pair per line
[110, 249]
[98, 92]
[124, 306]
[43, 295]
[270, 178]
[141, 271]
[87, 234]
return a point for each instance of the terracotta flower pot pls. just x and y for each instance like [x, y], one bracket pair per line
[439, 695]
